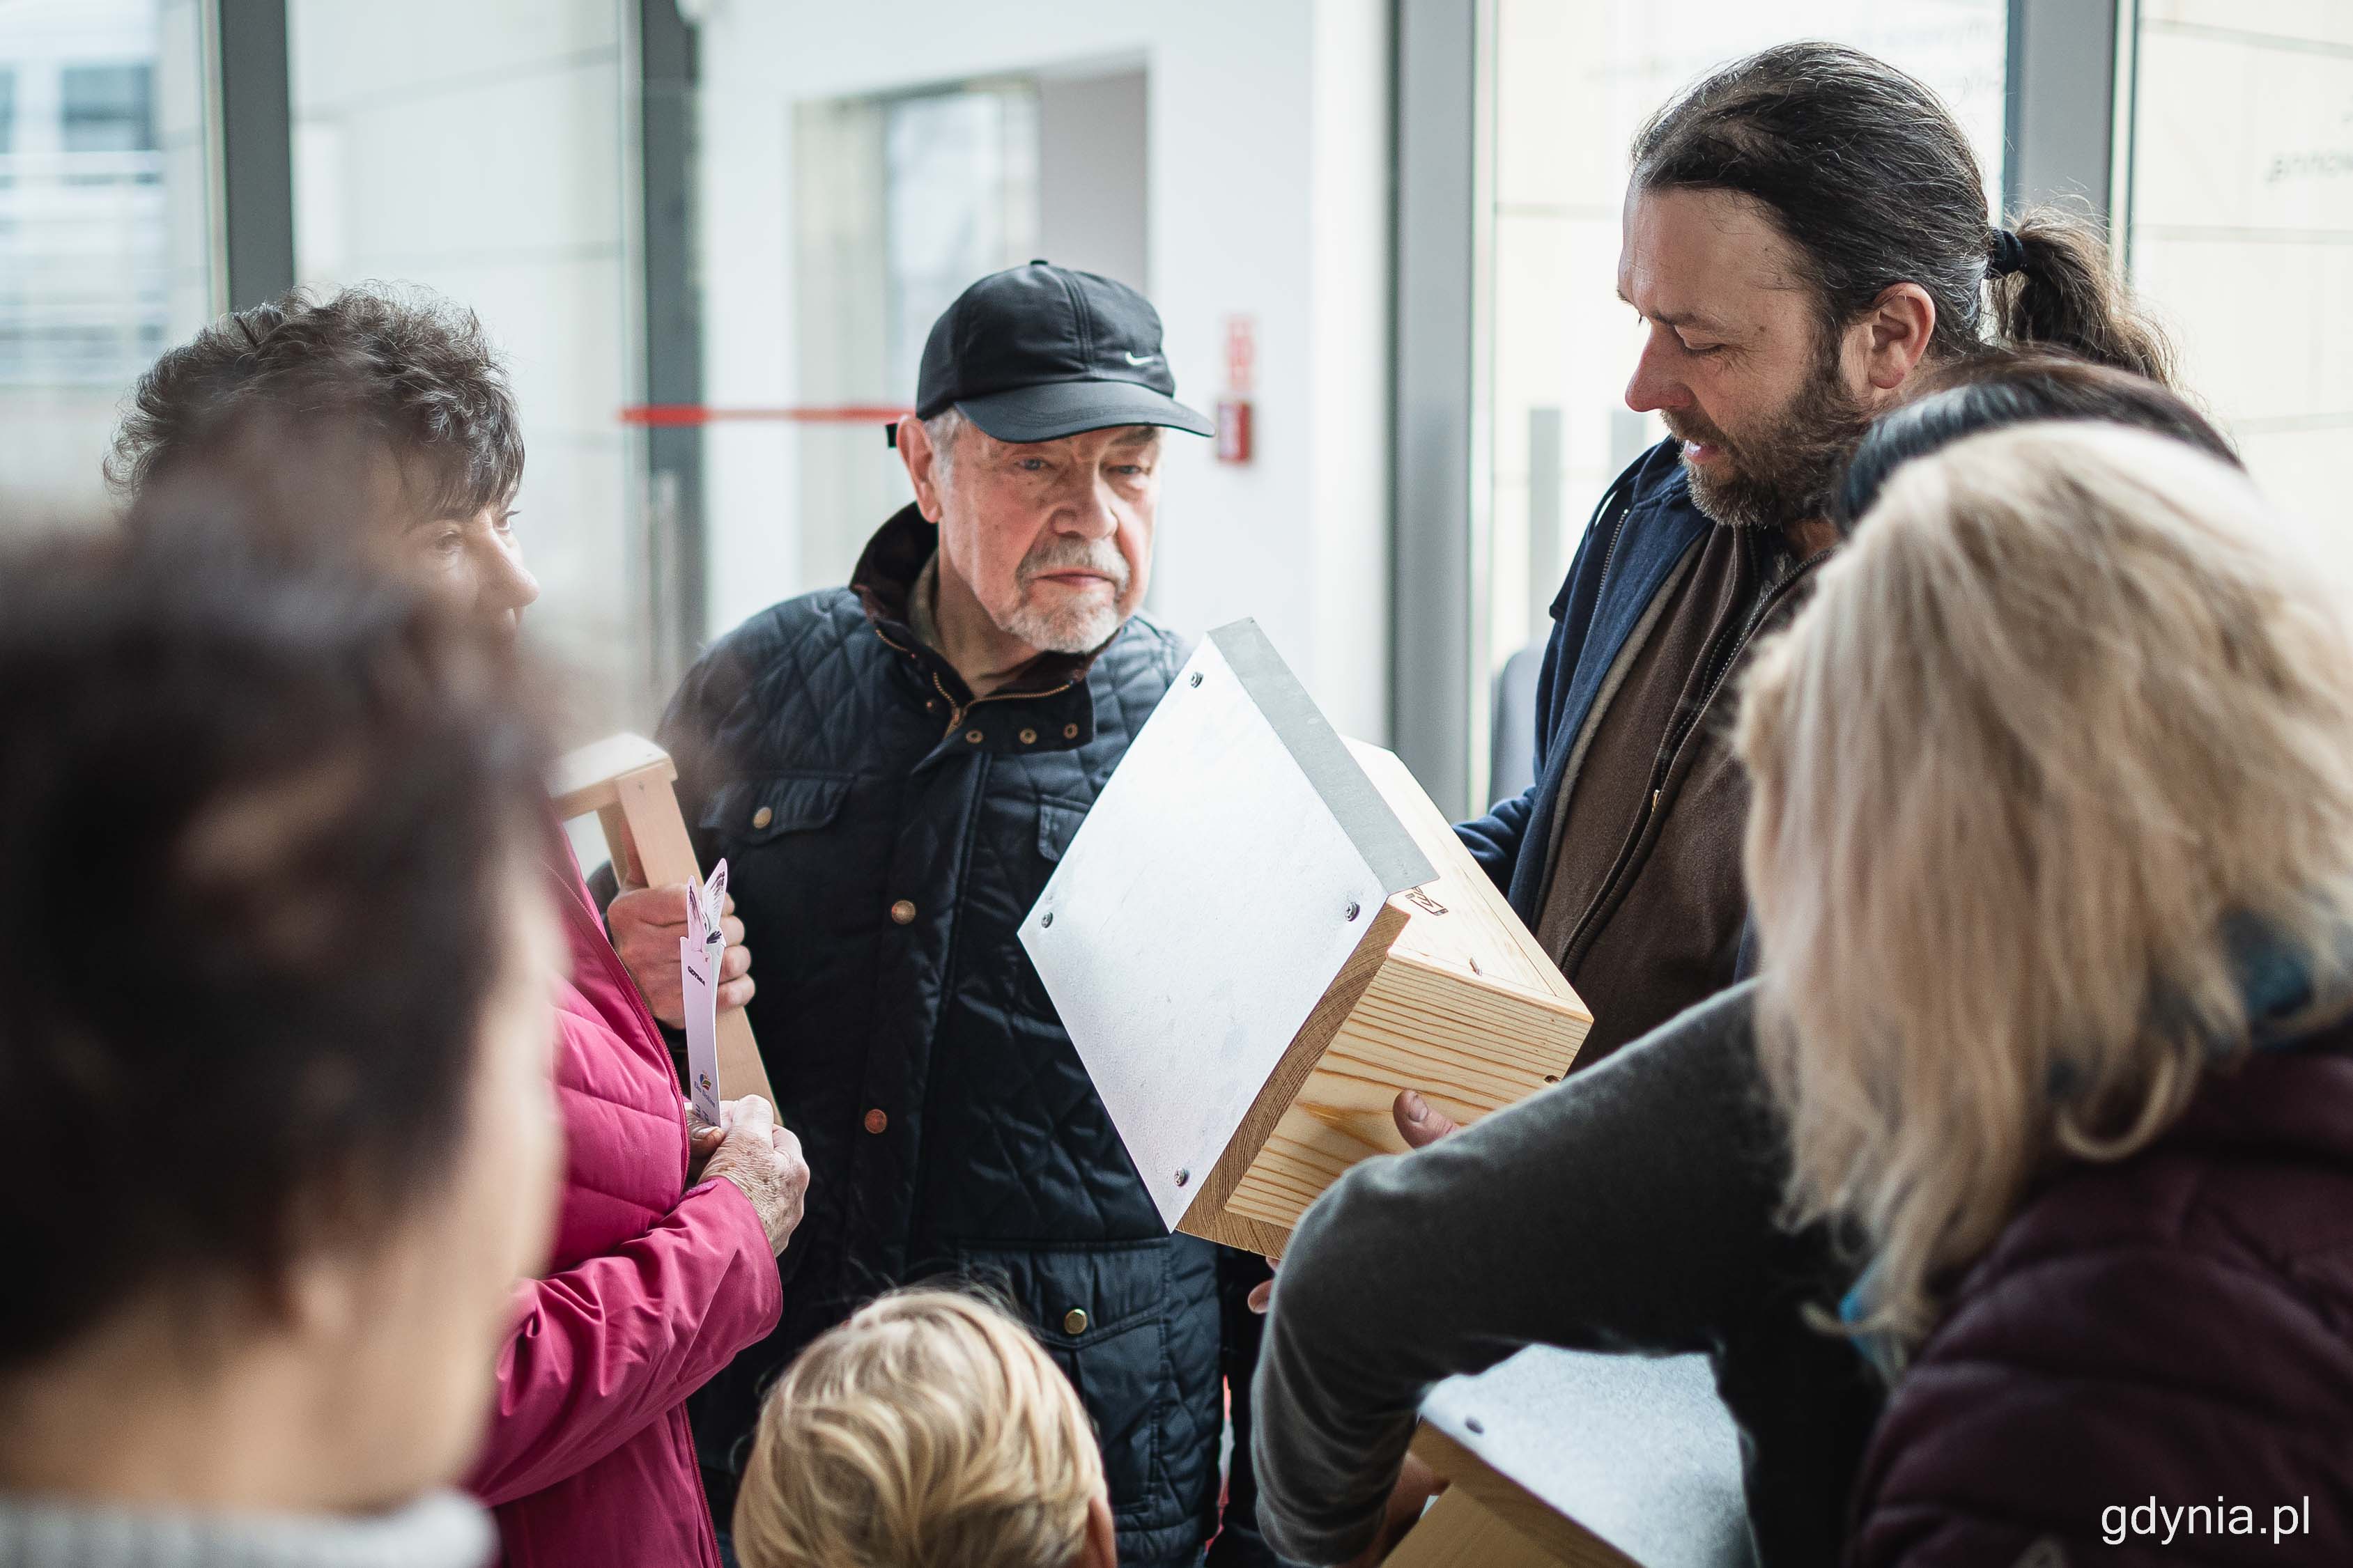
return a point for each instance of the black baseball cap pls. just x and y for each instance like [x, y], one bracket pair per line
[1036, 353]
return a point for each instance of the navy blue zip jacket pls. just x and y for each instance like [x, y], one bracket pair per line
[1644, 524]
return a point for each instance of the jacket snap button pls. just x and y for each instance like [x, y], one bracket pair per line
[762, 818]
[973, 736]
[1029, 737]
[876, 1120]
[1074, 1321]
[903, 912]
[1069, 731]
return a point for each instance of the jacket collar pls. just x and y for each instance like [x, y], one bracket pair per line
[1650, 499]
[1045, 706]
[885, 582]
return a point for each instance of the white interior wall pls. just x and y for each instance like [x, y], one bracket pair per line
[1094, 146]
[1268, 144]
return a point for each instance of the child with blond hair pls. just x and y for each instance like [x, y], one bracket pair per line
[928, 1431]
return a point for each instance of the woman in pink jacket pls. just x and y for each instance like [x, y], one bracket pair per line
[385, 417]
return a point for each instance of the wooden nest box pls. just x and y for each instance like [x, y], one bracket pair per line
[1261, 933]
[1560, 1458]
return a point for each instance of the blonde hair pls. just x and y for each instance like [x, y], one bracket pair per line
[2060, 729]
[929, 1430]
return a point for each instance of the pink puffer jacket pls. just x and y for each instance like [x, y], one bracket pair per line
[653, 1287]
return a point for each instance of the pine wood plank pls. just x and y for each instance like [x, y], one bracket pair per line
[1473, 921]
[1298, 1060]
[1469, 1046]
[1457, 1530]
[1600, 1458]
[1559, 1539]
[625, 781]
[585, 780]
[1230, 1229]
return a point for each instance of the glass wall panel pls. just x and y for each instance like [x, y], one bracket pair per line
[961, 175]
[2241, 228]
[899, 204]
[106, 244]
[497, 172]
[1574, 79]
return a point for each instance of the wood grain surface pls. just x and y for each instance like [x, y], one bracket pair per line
[1457, 1530]
[1291, 1072]
[1460, 1003]
[1548, 1536]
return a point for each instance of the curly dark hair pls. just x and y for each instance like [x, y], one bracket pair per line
[395, 368]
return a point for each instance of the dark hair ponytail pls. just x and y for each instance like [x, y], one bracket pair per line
[1867, 174]
[2063, 294]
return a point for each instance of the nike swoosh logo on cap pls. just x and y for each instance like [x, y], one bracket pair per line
[1139, 359]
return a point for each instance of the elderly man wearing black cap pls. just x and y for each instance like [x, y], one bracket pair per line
[891, 769]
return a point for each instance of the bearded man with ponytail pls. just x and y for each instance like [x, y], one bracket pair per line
[1805, 236]
[1806, 240]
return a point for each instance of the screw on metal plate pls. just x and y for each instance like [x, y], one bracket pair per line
[1474, 1423]
[1197, 679]
[1048, 919]
[1182, 1176]
[1353, 911]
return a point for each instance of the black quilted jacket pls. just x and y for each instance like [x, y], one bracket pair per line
[886, 833]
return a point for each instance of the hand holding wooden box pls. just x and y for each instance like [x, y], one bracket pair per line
[1261, 933]
[625, 779]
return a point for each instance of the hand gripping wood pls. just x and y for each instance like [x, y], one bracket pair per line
[625, 781]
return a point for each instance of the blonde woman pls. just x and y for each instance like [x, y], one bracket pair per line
[929, 1431]
[2051, 856]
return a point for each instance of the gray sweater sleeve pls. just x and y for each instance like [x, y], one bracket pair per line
[1629, 1208]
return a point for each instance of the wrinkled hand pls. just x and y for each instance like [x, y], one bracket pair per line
[764, 1162]
[703, 1141]
[1421, 1124]
[647, 925]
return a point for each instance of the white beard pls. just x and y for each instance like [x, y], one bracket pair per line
[1081, 626]
[1078, 623]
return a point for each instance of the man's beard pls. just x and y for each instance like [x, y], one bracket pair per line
[1081, 623]
[1784, 472]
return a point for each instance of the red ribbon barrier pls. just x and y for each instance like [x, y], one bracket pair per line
[670, 413]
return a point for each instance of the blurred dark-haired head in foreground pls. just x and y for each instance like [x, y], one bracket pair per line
[1999, 387]
[276, 1129]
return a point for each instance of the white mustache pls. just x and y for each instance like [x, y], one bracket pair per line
[1061, 556]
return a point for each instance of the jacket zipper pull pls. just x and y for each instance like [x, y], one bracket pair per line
[1654, 798]
[956, 708]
